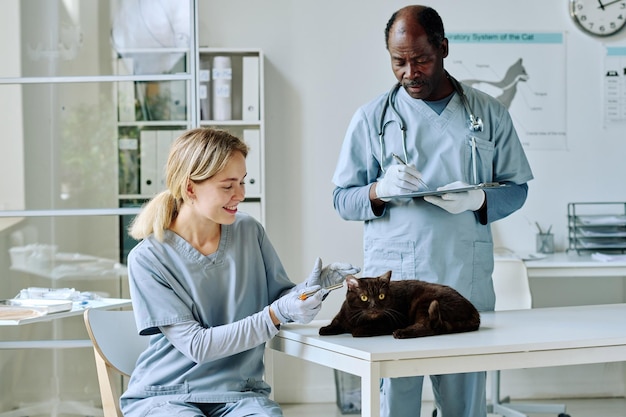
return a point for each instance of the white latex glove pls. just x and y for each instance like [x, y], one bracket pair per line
[336, 273]
[399, 179]
[332, 274]
[456, 203]
[313, 279]
[290, 308]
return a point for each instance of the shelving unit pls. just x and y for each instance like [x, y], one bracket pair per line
[153, 97]
[153, 112]
[246, 109]
[597, 226]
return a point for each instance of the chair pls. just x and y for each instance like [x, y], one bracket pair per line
[510, 282]
[116, 346]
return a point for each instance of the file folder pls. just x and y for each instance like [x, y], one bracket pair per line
[148, 162]
[204, 89]
[252, 137]
[164, 141]
[125, 92]
[250, 88]
[128, 165]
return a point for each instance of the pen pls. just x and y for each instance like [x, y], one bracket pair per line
[400, 161]
[307, 294]
[474, 169]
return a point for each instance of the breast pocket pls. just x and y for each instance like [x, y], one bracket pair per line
[479, 154]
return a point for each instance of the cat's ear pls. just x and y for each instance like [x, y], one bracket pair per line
[386, 276]
[352, 282]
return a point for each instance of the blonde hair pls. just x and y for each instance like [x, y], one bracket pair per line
[196, 155]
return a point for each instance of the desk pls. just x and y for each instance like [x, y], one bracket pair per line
[573, 265]
[55, 406]
[562, 279]
[506, 340]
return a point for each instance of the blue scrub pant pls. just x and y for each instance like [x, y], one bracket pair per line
[456, 395]
[247, 407]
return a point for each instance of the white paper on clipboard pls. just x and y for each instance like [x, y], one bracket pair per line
[451, 190]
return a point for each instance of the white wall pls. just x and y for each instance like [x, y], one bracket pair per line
[324, 58]
[11, 172]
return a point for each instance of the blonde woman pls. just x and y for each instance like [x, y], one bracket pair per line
[209, 289]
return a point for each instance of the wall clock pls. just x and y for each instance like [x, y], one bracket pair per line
[599, 17]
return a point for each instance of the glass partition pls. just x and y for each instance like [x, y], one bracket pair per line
[81, 84]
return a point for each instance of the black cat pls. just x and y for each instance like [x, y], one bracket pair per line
[406, 309]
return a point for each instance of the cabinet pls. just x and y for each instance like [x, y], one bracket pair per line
[231, 97]
[597, 226]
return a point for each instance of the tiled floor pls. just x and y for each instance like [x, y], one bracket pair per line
[611, 407]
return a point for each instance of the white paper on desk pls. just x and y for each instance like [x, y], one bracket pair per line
[603, 257]
[532, 256]
[601, 220]
[36, 304]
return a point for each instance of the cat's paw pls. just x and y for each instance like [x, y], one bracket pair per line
[412, 332]
[403, 334]
[329, 331]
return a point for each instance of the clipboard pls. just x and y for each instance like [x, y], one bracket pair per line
[481, 186]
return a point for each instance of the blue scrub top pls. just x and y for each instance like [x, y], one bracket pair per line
[413, 238]
[171, 282]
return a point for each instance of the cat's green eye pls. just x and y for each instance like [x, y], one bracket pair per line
[363, 297]
[381, 296]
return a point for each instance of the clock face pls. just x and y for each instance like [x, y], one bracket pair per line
[599, 17]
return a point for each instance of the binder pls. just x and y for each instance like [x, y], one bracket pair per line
[204, 89]
[177, 100]
[164, 139]
[250, 89]
[222, 72]
[252, 137]
[128, 165]
[175, 94]
[125, 92]
[148, 162]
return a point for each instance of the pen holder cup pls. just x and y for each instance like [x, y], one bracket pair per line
[545, 243]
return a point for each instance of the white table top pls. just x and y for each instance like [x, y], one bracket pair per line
[572, 259]
[568, 264]
[77, 309]
[502, 332]
[506, 340]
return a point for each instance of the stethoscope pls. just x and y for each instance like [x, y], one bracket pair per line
[475, 122]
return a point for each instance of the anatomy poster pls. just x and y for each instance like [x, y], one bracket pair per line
[525, 71]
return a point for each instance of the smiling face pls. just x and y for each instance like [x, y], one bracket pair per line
[416, 63]
[216, 198]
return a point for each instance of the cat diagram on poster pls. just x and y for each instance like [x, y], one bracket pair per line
[524, 71]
